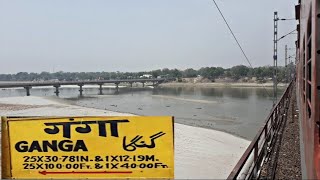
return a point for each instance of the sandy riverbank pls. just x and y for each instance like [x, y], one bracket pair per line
[199, 153]
[176, 84]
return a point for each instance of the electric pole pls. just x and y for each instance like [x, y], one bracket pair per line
[275, 53]
[291, 66]
[286, 63]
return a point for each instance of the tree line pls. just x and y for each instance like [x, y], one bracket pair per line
[212, 73]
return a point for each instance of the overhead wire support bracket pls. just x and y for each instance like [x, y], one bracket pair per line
[286, 35]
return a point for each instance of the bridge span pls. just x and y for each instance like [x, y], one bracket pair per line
[57, 84]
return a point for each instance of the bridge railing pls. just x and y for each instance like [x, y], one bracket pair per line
[249, 165]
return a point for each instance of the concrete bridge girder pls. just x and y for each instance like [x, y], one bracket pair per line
[24, 84]
[29, 85]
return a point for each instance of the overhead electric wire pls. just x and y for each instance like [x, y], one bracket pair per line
[235, 38]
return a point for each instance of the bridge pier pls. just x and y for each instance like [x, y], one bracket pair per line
[155, 84]
[117, 86]
[80, 90]
[28, 90]
[100, 89]
[57, 90]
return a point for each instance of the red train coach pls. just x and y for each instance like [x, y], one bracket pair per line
[308, 83]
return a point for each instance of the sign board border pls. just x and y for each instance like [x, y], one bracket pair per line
[5, 153]
[6, 165]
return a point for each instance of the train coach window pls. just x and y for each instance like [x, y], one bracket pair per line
[304, 70]
[309, 67]
[317, 68]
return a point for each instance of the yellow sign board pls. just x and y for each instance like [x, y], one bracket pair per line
[88, 147]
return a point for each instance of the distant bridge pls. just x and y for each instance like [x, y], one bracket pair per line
[28, 85]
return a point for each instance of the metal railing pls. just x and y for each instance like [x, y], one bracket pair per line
[249, 165]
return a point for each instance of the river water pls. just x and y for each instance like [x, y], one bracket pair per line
[239, 111]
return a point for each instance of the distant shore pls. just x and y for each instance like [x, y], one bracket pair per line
[236, 84]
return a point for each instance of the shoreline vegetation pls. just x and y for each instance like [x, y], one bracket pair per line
[238, 73]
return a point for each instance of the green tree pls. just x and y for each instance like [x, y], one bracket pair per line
[156, 73]
[45, 76]
[239, 71]
[176, 73]
[190, 73]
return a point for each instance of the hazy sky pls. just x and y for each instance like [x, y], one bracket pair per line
[136, 35]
